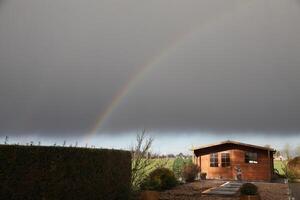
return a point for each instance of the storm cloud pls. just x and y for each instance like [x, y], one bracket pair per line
[233, 66]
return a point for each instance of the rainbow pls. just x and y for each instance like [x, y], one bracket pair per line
[132, 82]
[141, 73]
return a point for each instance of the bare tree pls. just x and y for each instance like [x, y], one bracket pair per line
[297, 150]
[287, 151]
[6, 140]
[141, 162]
[278, 153]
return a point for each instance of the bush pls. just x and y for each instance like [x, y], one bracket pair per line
[290, 174]
[294, 168]
[290, 168]
[159, 179]
[249, 189]
[190, 172]
[188, 160]
[37, 172]
[179, 164]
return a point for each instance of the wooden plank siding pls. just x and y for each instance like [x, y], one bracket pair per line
[260, 171]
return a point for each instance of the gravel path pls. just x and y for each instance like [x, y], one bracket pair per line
[192, 191]
[273, 191]
[295, 187]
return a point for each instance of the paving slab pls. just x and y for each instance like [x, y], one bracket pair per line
[228, 188]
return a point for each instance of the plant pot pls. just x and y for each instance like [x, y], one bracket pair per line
[203, 176]
[249, 197]
[149, 195]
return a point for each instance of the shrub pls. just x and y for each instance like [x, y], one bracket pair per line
[188, 161]
[294, 168]
[290, 174]
[179, 164]
[249, 189]
[190, 172]
[289, 168]
[159, 179]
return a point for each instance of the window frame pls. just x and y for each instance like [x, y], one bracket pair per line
[214, 160]
[251, 157]
[225, 159]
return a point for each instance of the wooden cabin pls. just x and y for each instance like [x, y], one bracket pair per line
[232, 160]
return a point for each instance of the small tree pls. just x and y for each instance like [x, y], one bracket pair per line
[179, 164]
[190, 172]
[297, 151]
[6, 140]
[288, 172]
[287, 151]
[141, 162]
[277, 153]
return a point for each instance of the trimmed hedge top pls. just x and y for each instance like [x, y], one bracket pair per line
[37, 172]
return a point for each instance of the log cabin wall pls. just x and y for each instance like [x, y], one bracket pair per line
[260, 171]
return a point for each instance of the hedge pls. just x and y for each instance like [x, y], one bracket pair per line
[36, 172]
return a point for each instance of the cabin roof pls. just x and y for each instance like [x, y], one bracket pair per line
[233, 142]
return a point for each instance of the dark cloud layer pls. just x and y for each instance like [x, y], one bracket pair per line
[62, 63]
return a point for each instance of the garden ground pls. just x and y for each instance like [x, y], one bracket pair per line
[295, 187]
[192, 191]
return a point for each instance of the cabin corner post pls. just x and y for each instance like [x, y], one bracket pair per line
[197, 160]
[270, 166]
[199, 163]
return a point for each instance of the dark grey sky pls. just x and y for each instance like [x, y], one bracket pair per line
[235, 66]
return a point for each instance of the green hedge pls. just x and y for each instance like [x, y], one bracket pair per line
[36, 172]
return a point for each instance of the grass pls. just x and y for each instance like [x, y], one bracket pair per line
[279, 165]
[168, 162]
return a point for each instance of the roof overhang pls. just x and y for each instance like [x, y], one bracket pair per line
[233, 143]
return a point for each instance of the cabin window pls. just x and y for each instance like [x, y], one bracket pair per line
[250, 157]
[214, 160]
[225, 159]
